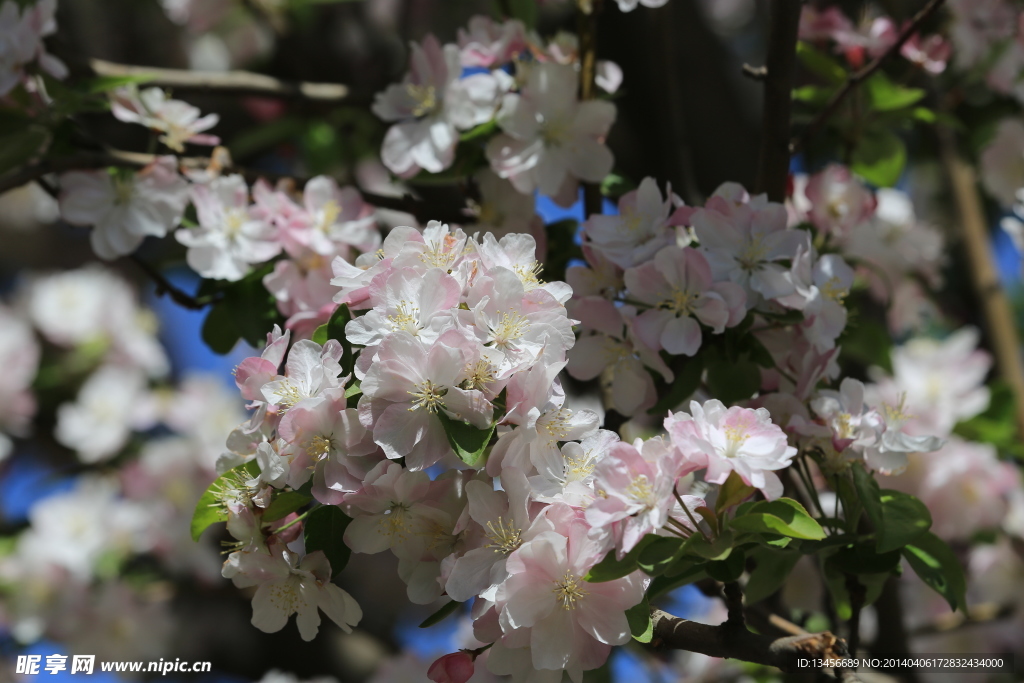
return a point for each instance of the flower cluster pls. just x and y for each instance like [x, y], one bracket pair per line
[22, 29]
[500, 75]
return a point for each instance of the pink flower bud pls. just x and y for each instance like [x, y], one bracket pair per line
[456, 667]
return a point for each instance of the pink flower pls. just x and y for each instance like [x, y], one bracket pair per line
[490, 44]
[456, 667]
[678, 286]
[123, 209]
[179, 122]
[572, 624]
[404, 389]
[645, 223]
[411, 300]
[838, 201]
[429, 106]
[735, 439]
[930, 53]
[550, 139]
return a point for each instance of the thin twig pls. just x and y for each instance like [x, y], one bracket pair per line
[164, 286]
[234, 82]
[863, 74]
[773, 156]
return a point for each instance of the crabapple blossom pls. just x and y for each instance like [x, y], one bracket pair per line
[430, 106]
[639, 492]
[503, 210]
[572, 624]
[550, 139]
[310, 370]
[630, 5]
[574, 484]
[406, 386]
[743, 239]
[178, 122]
[124, 208]
[837, 201]
[287, 585]
[21, 41]
[111, 404]
[678, 286]
[931, 53]
[487, 43]
[456, 667]
[230, 237]
[331, 217]
[411, 300]
[820, 293]
[735, 439]
[644, 225]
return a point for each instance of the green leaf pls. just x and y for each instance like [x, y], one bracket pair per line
[640, 624]
[102, 84]
[729, 569]
[937, 565]
[661, 554]
[439, 615]
[885, 95]
[733, 380]
[320, 335]
[211, 509]
[733, 492]
[685, 384]
[614, 186]
[815, 95]
[284, 504]
[525, 11]
[864, 558]
[717, 549]
[20, 147]
[879, 157]
[783, 516]
[770, 572]
[246, 310]
[672, 580]
[820, 63]
[324, 529]
[336, 330]
[353, 389]
[610, 568]
[869, 494]
[483, 130]
[998, 424]
[468, 442]
[905, 519]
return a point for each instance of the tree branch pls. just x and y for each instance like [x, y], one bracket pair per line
[235, 82]
[728, 641]
[863, 74]
[773, 157]
[164, 286]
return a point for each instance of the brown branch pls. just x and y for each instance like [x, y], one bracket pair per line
[423, 211]
[235, 82]
[863, 74]
[773, 157]
[728, 641]
[588, 74]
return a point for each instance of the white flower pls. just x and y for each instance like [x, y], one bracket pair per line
[230, 237]
[124, 208]
[19, 357]
[111, 403]
[287, 586]
[630, 5]
[552, 140]
[1002, 162]
[429, 106]
[179, 121]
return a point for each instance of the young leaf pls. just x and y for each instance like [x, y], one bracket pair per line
[210, 509]
[905, 519]
[773, 566]
[439, 615]
[880, 157]
[640, 624]
[660, 555]
[336, 330]
[937, 565]
[888, 96]
[324, 529]
[284, 504]
[869, 494]
[320, 335]
[820, 63]
[783, 516]
[468, 442]
[729, 569]
[686, 382]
